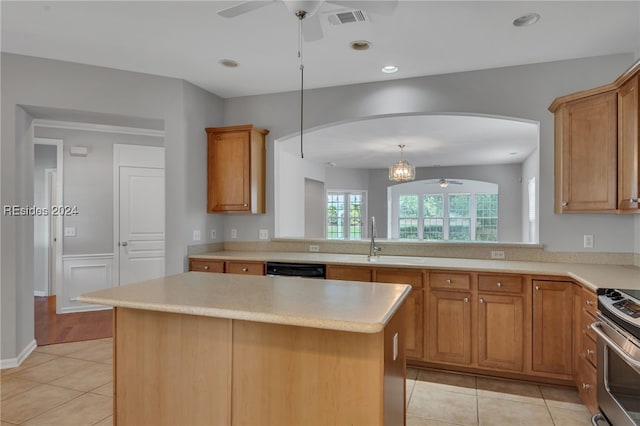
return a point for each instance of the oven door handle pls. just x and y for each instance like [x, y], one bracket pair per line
[597, 327]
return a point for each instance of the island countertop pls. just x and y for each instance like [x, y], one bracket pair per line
[328, 304]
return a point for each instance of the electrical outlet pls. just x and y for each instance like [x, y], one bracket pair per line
[213, 234]
[69, 231]
[497, 254]
[263, 234]
[234, 233]
[588, 241]
[196, 235]
[314, 247]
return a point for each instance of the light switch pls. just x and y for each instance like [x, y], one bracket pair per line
[69, 231]
[196, 235]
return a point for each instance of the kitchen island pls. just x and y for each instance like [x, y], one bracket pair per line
[214, 349]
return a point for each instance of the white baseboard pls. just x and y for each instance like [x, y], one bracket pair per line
[15, 362]
[39, 293]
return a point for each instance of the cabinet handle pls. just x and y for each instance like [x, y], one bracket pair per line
[481, 300]
[586, 386]
[206, 268]
[466, 300]
[590, 352]
[538, 287]
[589, 302]
[564, 203]
[499, 284]
[244, 269]
[449, 281]
[634, 200]
[245, 205]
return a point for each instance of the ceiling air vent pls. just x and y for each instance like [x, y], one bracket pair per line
[347, 17]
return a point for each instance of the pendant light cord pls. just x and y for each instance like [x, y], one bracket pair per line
[301, 15]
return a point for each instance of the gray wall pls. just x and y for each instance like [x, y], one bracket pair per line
[45, 157]
[36, 82]
[88, 185]
[523, 92]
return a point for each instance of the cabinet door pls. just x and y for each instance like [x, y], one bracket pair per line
[552, 327]
[629, 146]
[229, 172]
[349, 273]
[501, 332]
[414, 342]
[449, 327]
[586, 155]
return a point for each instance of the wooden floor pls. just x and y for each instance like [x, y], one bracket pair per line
[52, 328]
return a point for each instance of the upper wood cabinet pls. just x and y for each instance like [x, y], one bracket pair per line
[585, 148]
[236, 167]
[597, 148]
[629, 146]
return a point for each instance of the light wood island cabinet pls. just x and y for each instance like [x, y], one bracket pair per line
[236, 169]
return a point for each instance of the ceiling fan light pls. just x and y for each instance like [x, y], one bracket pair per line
[443, 183]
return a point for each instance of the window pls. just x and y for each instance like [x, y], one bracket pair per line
[486, 217]
[446, 216]
[345, 211]
[531, 189]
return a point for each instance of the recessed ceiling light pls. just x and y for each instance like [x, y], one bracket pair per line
[360, 45]
[389, 69]
[526, 20]
[229, 63]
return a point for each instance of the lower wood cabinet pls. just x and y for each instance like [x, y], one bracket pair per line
[349, 273]
[552, 328]
[587, 355]
[501, 331]
[206, 265]
[449, 327]
[228, 266]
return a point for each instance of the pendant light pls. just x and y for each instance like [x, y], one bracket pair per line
[402, 171]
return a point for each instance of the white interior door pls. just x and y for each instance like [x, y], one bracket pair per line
[52, 237]
[141, 224]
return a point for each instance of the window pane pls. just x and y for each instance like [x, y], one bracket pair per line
[408, 217]
[459, 205]
[433, 205]
[460, 229]
[433, 229]
[335, 216]
[486, 217]
[355, 216]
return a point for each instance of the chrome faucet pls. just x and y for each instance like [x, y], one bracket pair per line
[374, 251]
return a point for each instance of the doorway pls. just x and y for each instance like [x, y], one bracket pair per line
[47, 227]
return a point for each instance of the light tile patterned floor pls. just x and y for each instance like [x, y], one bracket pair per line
[71, 384]
[443, 399]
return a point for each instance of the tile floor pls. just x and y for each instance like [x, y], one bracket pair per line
[443, 399]
[71, 384]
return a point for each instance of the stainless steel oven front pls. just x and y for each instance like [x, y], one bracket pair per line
[618, 365]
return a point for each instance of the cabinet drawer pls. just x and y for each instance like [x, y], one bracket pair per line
[399, 276]
[589, 349]
[247, 268]
[500, 283]
[206, 265]
[587, 320]
[446, 280]
[589, 301]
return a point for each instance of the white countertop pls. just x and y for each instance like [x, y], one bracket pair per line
[592, 276]
[329, 304]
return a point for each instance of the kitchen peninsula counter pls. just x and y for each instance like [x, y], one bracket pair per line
[201, 348]
[592, 276]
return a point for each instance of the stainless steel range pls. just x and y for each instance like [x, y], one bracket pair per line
[618, 345]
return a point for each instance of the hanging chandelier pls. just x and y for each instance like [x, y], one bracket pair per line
[402, 171]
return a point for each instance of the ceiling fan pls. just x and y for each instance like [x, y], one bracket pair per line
[313, 29]
[444, 182]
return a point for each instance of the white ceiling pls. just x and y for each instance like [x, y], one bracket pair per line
[431, 140]
[188, 39]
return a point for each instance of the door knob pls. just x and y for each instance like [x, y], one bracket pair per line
[124, 244]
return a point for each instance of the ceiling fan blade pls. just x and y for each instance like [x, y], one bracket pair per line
[312, 29]
[379, 7]
[243, 7]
